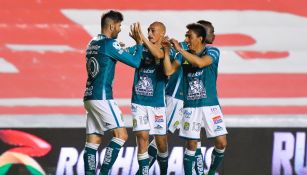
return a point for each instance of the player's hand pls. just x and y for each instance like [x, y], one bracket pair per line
[166, 44]
[176, 44]
[135, 33]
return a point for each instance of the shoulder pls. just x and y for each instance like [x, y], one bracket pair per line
[112, 43]
[213, 52]
[213, 49]
[184, 45]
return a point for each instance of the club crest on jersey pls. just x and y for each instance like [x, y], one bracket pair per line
[144, 86]
[176, 124]
[134, 123]
[196, 89]
[186, 126]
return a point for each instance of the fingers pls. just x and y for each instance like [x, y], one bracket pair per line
[131, 31]
[135, 32]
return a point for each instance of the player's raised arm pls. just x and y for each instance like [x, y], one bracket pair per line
[193, 59]
[118, 53]
[170, 67]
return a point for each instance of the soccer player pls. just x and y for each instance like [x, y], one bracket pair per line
[174, 100]
[103, 114]
[210, 36]
[201, 105]
[148, 100]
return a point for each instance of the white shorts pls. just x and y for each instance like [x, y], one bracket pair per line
[210, 117]
[147, 118]
[102, 115]
[174, 109]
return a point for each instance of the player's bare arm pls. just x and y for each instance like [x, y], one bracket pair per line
[193, 59]
[170, 67]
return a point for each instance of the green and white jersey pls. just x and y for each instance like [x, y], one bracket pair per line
[102, 53]
[199, 84]
[174, 87]
[149, 81]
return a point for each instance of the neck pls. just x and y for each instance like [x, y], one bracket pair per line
[106, 33]
[199, 49]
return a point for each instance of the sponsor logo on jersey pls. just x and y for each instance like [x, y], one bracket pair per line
[116, 45]
[176, 124]
[88, 91]
[214, 110]
[145, 120]
[134, 123]
[107, 124]
[158, 126]
[187, 114]
[186, 126]
[196, 74]
[218, 128]
[134, 108]
[147, 71]
[217, 119]
[159, 118]
[196, 126]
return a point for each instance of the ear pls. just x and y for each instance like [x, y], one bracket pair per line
[112, 27]
[201, 39]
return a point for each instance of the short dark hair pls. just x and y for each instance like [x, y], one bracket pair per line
[198, 29]
[210, 30]
[205, 23]
[115, 16]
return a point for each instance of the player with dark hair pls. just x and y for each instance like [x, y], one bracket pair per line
[174, 101]
[201, 105]
[103, 114]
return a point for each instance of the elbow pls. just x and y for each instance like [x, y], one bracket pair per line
[198, 65]
[159, 56]
[168, 72]
[137, 65]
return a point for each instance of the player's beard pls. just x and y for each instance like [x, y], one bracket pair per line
[115, 35]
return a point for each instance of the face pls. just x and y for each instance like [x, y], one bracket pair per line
[193, 41]
[155, 33]
[116, 29]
